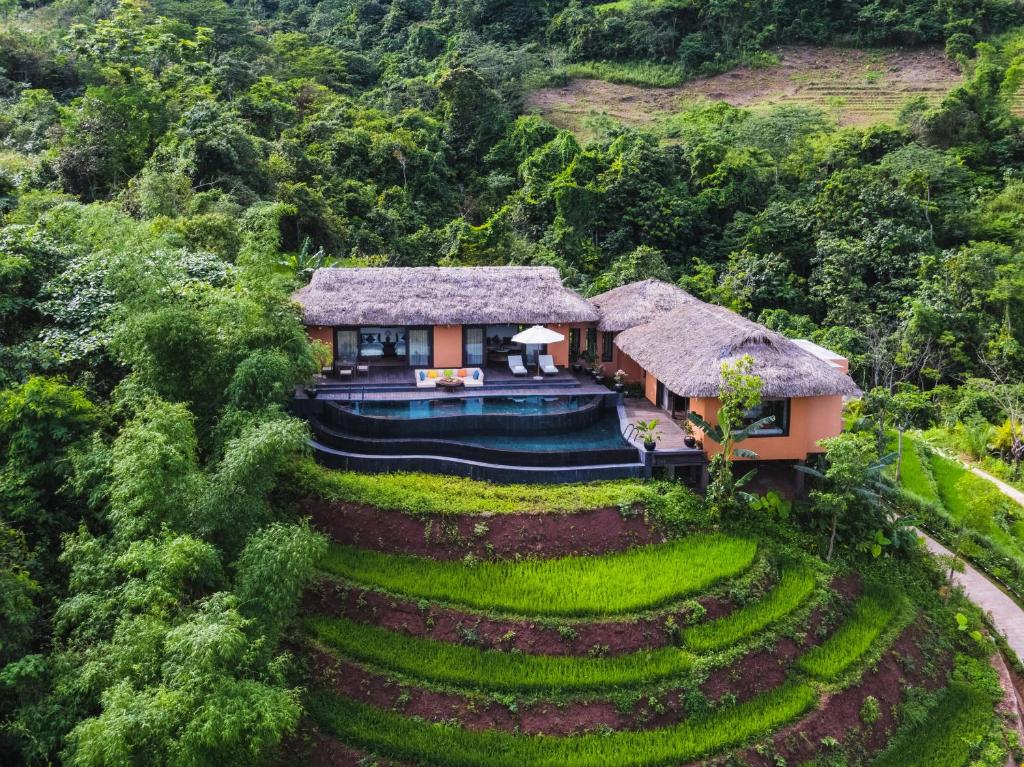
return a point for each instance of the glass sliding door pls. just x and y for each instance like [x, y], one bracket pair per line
[473, 351]
[346, 344]
[419, 347]
[574, 345]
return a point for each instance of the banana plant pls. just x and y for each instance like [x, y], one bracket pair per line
[728, 437]
[847, 473]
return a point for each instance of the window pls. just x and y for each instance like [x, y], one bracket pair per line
[574, 344]
[419, 347]
[346, 344]
[473, 342]
[382, 343]
[607, 349]
[591, 341]
[776, 407]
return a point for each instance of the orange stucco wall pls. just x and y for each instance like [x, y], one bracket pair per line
[321, 333]
[560, 351]
[625, 363]
[810, 419]
[447, 346]
[651, 388]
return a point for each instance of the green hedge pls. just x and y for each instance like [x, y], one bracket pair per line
[795, 585]
[638, 579]
[397, 737]
[463, 666]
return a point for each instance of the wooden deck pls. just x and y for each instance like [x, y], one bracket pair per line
[398, 383]
[671, 432]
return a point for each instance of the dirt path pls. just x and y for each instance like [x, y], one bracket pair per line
[858, 87]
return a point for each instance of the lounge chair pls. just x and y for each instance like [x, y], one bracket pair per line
[515, 364]
[547, 365]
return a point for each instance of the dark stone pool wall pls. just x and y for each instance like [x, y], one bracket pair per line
[490, 472]
[453, 448]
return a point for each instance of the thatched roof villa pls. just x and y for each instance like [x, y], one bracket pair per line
[433, 295]
[685, 348]
[664, 339]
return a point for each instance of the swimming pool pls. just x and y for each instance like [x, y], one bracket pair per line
[598, 442]
[456, 406]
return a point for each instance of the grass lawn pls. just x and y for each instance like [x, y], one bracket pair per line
[638, 579]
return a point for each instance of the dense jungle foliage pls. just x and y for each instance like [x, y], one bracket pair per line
[171, 171]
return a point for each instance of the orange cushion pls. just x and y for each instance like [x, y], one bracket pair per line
[431, 374]
[462, 373]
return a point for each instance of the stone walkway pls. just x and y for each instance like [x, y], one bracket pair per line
[1006, 615]
[1008, 490]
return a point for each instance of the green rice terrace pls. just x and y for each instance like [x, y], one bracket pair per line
[633, 630]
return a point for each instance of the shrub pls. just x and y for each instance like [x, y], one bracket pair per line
[955, 727]
[641, 578]
[643, 73]
[870, 710]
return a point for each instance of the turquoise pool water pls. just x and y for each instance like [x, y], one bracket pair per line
[433, 408]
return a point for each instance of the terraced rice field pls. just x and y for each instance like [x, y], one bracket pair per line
[642, 578]
[774, 644]
[856, 87]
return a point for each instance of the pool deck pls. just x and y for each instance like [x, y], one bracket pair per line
[672, 433]
[397, 384]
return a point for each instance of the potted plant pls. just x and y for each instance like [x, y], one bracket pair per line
[689, 440]
[322, 356]
[620, 380]
[648, 432]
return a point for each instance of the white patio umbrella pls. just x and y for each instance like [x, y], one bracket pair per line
[537, 335]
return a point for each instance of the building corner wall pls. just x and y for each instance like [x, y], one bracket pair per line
[447, 346]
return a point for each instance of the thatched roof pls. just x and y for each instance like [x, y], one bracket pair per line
[434, 295]
[685, 349]
[637, 303]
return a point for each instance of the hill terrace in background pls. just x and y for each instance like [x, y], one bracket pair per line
[429, 374]
[856, 87]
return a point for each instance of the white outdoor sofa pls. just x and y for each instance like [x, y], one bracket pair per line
[426, 378]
